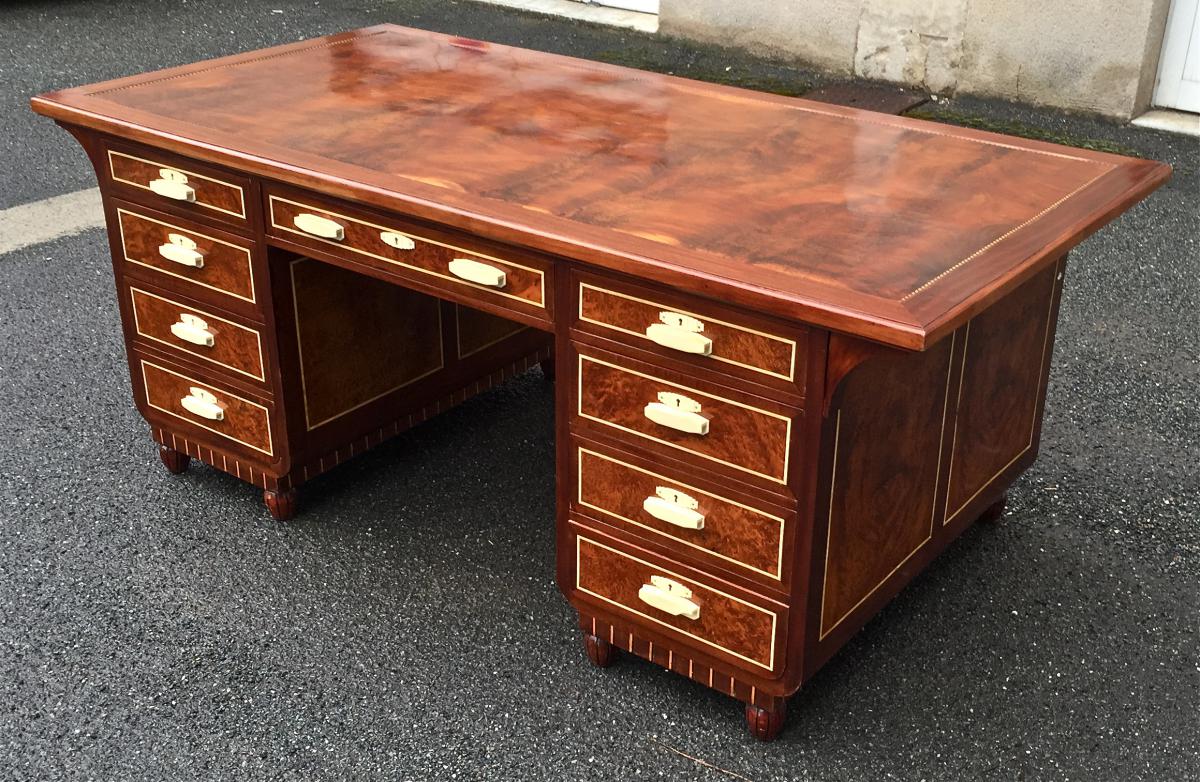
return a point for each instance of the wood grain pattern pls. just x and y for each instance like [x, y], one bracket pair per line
[228, 269]
[742, 345]
[1006, 351]
[753, 440]
[359, 338]
[478, 330]
[246, 422]
[735, 534]
[727, 625]
[885, 227]
[885, 436]
[237, 347]
[217, 194]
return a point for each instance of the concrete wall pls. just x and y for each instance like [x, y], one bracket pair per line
[1088, 55]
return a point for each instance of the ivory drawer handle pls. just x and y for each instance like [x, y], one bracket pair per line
[677, 412]
[479, 273]
[193, 329]
[674, 507]
[680, 332]
[669, 596]
[203, 404]
[181, 250]
[173, 184]
[319, 226]
[397, 240]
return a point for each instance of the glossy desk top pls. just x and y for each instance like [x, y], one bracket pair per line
[886, 227]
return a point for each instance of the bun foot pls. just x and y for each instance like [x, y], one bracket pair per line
[765, 724]
[994, 512]
[174, 461]
[599, 651]
[547, 365]
[281, 504]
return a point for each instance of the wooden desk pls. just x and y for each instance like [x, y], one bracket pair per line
[802, 347]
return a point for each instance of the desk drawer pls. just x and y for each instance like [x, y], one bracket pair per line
[692, 331]
[197, 333]
[687, 519]
[183, 255]
[657, 594]
[749, 438]
[218, 410]
[167, 181]
[467, 274]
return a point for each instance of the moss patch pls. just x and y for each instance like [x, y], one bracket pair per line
[1014, 128]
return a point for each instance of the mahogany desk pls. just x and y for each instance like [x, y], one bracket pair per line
[801, 347]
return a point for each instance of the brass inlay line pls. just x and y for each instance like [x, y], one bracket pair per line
[125, 252]
[156, 164]
[579, 491]
[269, 451]
[787, 448]
[541, 286]
[770, 665]
[1036, 398]
[791, 374]
[300, 351]
[137, 326]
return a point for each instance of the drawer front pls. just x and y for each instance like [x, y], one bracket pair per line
[692, 520]
[212, 268]
[710, 617]
[166, 181]
[666, 325]
[402, 248]
[748, 439]
[197, 333]
[241, 420]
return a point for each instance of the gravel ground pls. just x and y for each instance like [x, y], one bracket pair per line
[154, 627]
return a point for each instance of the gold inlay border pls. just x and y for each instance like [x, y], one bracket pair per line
[241, 194]
[777, 575]
[787, 448]
[541, 287]
[137, 326]
[769, 665]
[270, 449]
[790, 376]
[125, 251]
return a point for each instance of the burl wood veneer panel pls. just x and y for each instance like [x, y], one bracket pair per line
[885, 435]
[734, 534]
[245, 422]
[359, 338]
[728, 625]
[227, 271]
[1006, 359]
[749, 439]
[215, 194]
[236, 347]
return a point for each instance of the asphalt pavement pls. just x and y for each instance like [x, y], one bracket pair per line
[407, 625]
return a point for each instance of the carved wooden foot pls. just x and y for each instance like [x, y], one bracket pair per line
[765, 724]
[281, 504]
[547, 365]
[994, 512]
[599, 651]
[175, 461]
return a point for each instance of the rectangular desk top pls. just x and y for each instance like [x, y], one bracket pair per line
[890, 228]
